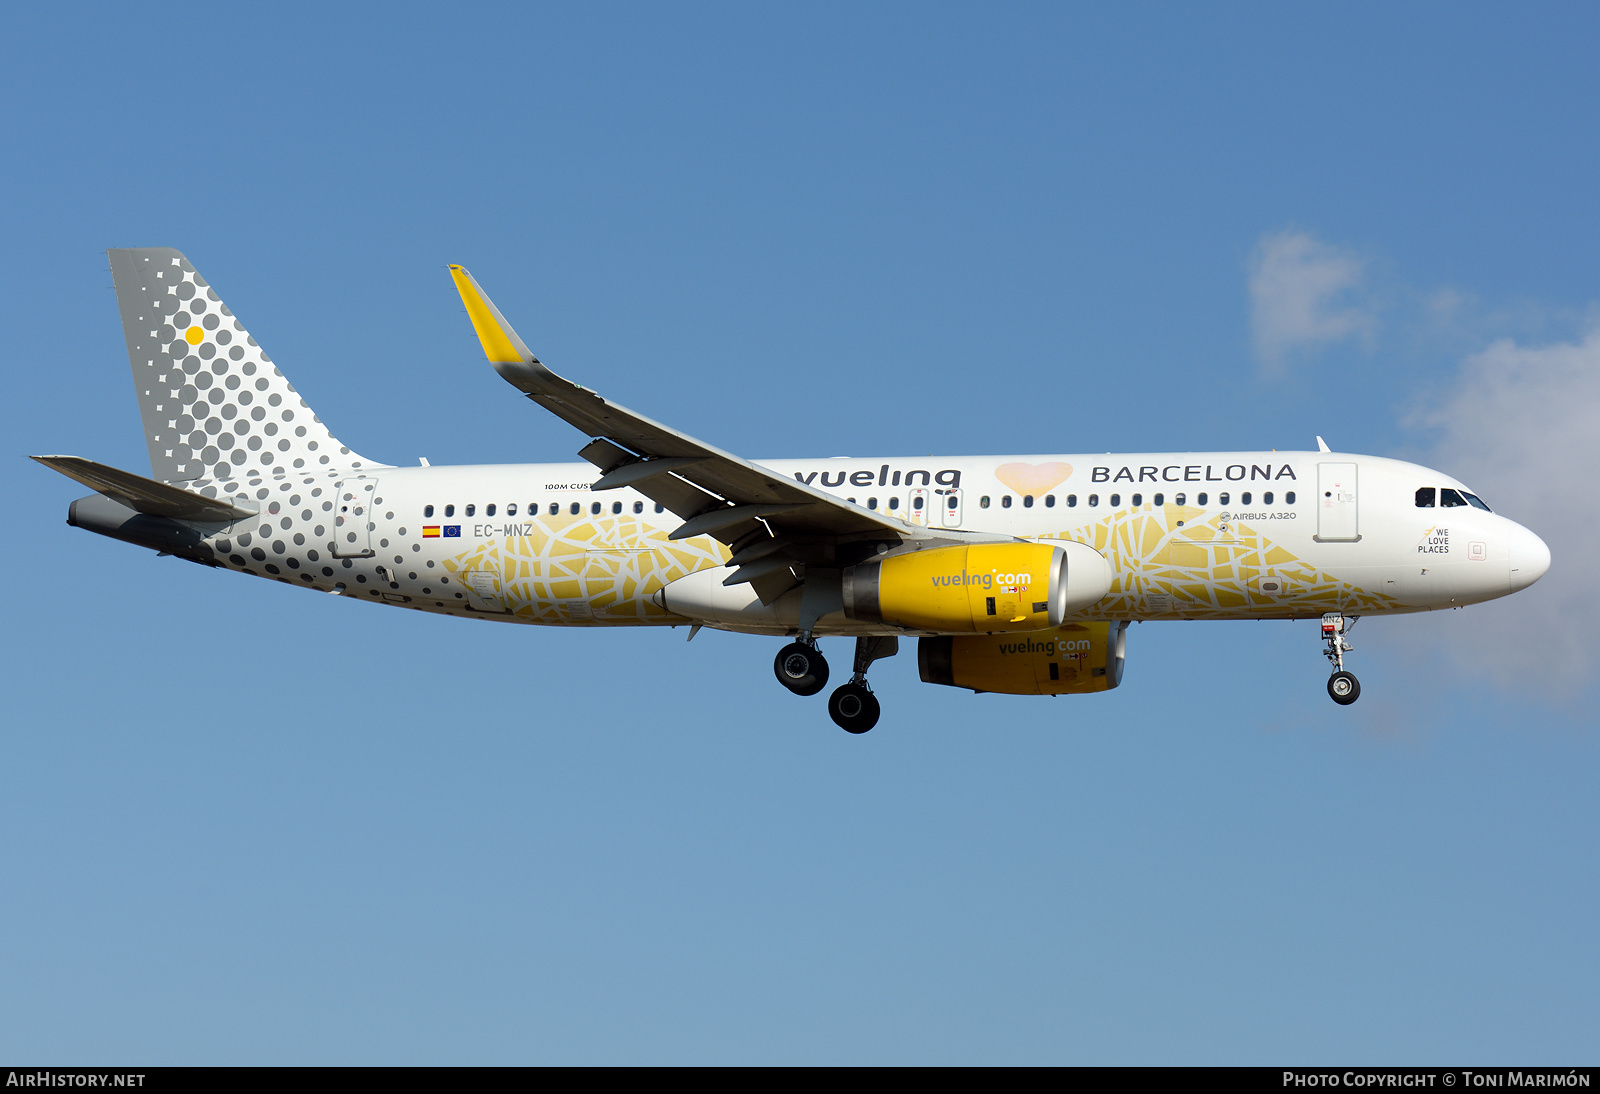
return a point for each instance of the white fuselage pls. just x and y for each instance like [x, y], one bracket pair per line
[1240, 535]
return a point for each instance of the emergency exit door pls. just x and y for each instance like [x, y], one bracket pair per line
[950, 508]
[917, 502]
[1337, 504]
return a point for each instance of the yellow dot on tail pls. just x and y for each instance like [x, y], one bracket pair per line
[194, 336]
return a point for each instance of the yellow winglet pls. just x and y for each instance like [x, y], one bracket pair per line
[500, 343]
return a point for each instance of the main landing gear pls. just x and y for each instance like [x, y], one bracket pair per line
[800, 667]
[1343, 687]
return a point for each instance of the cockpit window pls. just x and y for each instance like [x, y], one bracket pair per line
[1476, 502]
[1450, 499]
[1425, 497]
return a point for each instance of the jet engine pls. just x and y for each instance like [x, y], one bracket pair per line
[1075, 658]
[987, 587]
[984, 587]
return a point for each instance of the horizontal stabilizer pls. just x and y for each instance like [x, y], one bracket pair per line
[142, 495]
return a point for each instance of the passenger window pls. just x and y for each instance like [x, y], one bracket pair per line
[1094, 500]
[852, 501]
[1222, 498]
[1200, 499]
[1005, 501]
[555, 507]
[916, 503]
[472, 510]
[616, 507]
[1244, 498]
[1049, 501]
[449, 510]
[951, 502]
[1177, 499]
[1449, 499]
[1072, 501]
[1116, 500]
[1425, 497]
[511, 510]
[488, 510]
[894, 503]
[594, 509]
[1027, 501]
[638, 507]
[983, 502]
[1266, 499]
[872, 503]
[1476, 502]
[577, 507]
[660, 508]
[1288, 499]
[1161, 499]
[427, 510]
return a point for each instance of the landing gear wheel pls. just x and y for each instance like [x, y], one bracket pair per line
[853, 708]
[1344, 688]
[801, 668]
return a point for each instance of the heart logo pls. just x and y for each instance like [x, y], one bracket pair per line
[1033, 478]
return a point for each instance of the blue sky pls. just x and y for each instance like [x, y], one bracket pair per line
[250, 824]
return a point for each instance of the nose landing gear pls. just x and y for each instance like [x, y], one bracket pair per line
[1343, 687]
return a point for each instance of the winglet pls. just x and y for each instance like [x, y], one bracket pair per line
[1322, 445]
[500, 343]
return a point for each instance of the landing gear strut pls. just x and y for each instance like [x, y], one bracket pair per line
[852, 706]
[801, 668]
[1343, 687]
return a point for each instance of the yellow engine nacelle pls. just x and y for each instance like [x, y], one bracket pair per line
[1079, 657]
[991, 587]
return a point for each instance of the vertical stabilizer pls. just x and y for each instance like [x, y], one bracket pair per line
[214, 405]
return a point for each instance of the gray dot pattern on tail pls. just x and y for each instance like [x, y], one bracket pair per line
[215, 407]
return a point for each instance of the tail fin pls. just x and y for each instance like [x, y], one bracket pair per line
[214, 405]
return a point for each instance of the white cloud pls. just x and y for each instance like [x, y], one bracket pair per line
[1303, 296]
[1521, 426]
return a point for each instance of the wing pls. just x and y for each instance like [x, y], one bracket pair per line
[770, 521]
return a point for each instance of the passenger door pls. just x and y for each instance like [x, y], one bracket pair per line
[1337, 506]
[352, 517]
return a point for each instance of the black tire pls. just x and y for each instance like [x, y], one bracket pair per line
[853, 708]
[801, 668]
[1344, 688]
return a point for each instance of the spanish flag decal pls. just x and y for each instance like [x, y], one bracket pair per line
[430, 531]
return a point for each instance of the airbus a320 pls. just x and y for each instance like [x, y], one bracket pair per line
[1014, 574]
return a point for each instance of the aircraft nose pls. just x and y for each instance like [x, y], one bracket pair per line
[1528, 556]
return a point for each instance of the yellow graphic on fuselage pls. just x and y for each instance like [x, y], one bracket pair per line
[602, 569]
[1175, 562]
[1171, 562]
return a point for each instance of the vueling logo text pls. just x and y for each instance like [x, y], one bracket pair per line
[1048, 647]
[964, 578]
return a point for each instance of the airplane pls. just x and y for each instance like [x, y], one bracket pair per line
[1015, 574]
